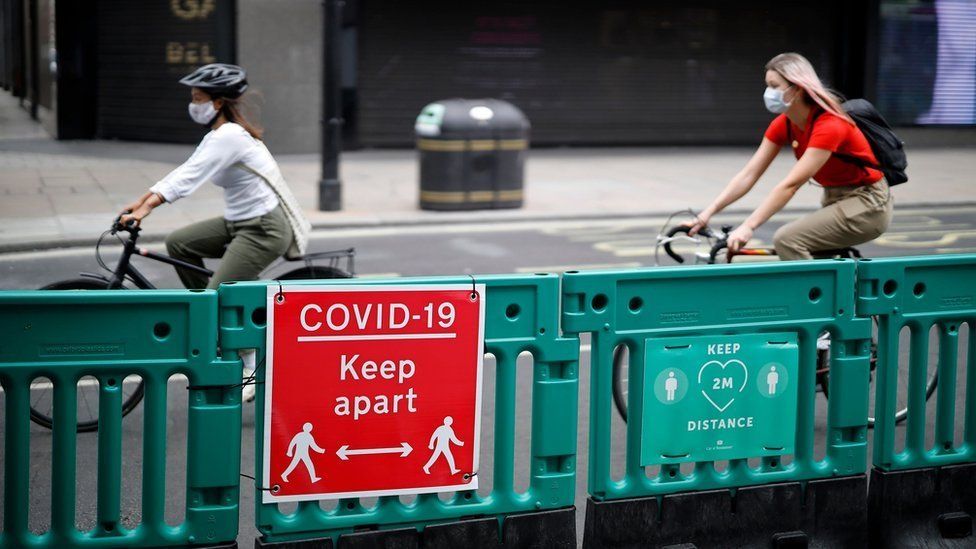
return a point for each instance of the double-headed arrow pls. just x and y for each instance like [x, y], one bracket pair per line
[344, 452]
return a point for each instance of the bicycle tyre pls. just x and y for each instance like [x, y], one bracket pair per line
[619, 395]
[128, 404]
[314, 272]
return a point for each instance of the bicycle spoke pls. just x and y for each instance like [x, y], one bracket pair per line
[87, 404]
[45, 400]
[39, 391]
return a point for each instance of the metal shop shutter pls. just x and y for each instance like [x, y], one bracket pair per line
[618, 72]
[143, 49]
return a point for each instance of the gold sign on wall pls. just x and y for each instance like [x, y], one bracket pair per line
[192, 9]
[189, 53]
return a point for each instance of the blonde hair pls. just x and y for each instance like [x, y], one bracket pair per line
[798, 71]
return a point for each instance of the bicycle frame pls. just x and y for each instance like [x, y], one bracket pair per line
[124, 267]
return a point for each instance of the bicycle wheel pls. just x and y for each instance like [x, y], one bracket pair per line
[901, 413]
[314, 272]
[42, 391]
[621, 369]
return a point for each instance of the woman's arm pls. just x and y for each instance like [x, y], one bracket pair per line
[219, 151]
[808, 165]
[741, 184]
[149, 202]
[135, 205]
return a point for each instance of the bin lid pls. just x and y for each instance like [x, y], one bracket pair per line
[470, 117]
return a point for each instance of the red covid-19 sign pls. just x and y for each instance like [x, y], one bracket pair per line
[372, 390]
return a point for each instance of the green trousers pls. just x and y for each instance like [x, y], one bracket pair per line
[246, 246]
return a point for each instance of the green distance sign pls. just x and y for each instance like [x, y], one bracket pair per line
[709, 398]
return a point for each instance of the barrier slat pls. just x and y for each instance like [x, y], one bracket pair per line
[917, 374]
[505, 376]
[553, 446]
[109, 456]
[63, 456]
[154, 454]
[946, 396]
[886, 393]
[17, 459]
[969, 434]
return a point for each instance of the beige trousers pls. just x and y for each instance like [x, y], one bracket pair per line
[850, 216]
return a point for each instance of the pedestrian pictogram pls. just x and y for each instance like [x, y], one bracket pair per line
[772, 378]
[440, 443]
[372, 390]
[671, 385]
[298, 450]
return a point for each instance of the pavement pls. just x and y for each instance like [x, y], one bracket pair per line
[64, 193]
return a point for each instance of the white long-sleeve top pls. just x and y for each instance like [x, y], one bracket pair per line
[220, 157]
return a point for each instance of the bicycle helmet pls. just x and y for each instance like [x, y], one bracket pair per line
[218, 80]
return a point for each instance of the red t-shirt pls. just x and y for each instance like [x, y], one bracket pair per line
[829, 132]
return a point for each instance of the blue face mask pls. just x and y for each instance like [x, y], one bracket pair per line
[774, 101]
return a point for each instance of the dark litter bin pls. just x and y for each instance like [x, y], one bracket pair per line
[472, 154]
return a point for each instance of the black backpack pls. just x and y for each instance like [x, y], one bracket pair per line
[887, 147]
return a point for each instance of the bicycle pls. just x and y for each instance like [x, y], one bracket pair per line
[708, 245]
[340, 264]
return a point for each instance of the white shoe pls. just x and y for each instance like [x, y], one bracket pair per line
[249, 358]
[248, 391]
[823, 342]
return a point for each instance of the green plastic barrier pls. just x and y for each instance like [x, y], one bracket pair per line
[66, 335]
[521, 314]
[733, 324]
[921, 293]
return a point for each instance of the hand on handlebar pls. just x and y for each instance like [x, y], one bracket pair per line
[134, 217]
[738, 238]
[699, 224]
[129, 208]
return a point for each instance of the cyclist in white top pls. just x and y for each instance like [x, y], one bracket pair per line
[261, 220]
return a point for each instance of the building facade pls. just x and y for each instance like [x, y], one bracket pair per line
[620, 72]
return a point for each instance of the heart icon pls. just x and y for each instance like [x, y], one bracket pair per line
[719, 386]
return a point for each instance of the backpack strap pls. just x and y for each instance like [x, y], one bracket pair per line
[859, 162]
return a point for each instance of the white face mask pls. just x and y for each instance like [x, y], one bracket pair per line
[774, 101]
[202, 113]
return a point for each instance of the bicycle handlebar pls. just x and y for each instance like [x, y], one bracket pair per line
[130, 227]
[716, 248]
[667, 245]
[705, 231]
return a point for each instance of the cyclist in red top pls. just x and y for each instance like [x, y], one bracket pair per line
[830, 149]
